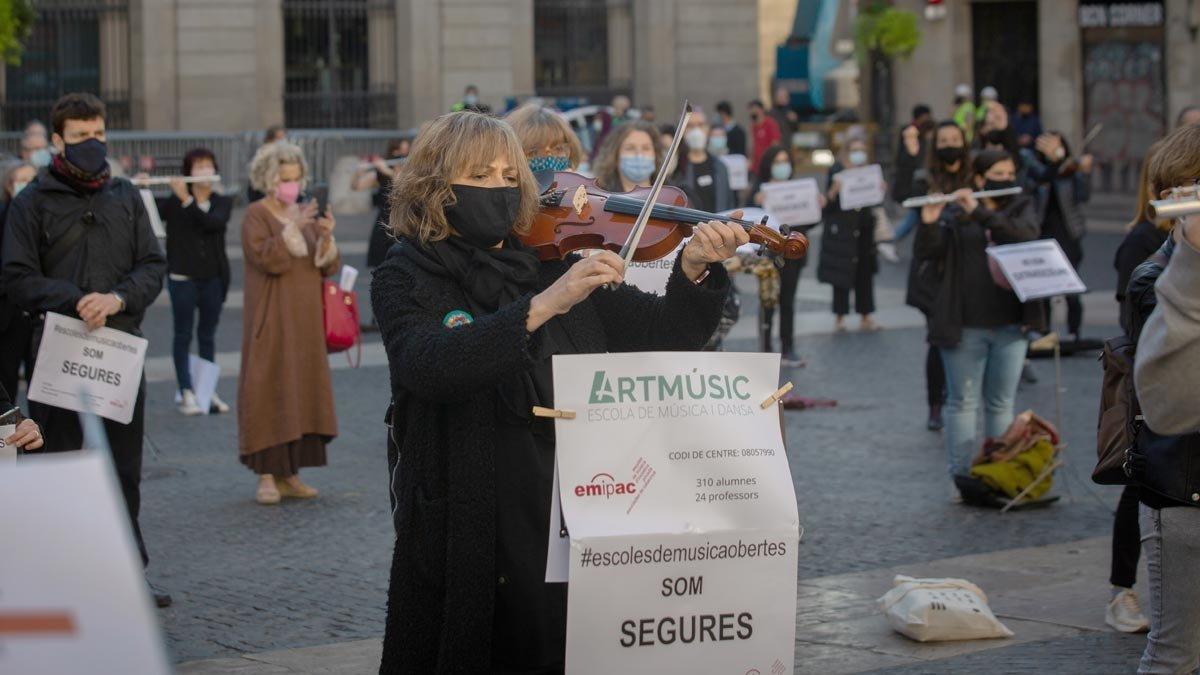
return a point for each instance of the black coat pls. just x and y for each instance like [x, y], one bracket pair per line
[195, 239]
[117, 253]
[1165, 467]
[1139, 244]
[848, 241]
[440, 601]
[939, 243]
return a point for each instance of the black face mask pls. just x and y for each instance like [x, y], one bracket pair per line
[995, 137]
[950, 154]
[88, 156]
[483, 216]
[989, 184]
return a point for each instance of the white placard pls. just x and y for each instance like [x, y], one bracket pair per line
[1037, 269]
[8, 453]
[97, 372]
[739, 171]
[73, 598]
[676, 490]
[794, 202]
[861, 187]
[652, 276]
[156, 222]
[205, 375]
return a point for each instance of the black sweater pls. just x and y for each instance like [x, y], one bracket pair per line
[443, 582]
[958, 243]
[195, 239]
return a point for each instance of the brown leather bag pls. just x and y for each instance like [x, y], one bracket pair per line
[1120, 414]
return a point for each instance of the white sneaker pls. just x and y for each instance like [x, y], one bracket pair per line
[887, 251]
[187, 403]
[218, 405]
[1124, 613]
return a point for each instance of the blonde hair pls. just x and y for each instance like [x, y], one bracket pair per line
[607, 165]
[540, 127]
[264, 168]
[451, 146]
[1177, 161]
[1144, 196]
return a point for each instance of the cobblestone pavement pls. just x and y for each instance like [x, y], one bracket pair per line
[870, 482]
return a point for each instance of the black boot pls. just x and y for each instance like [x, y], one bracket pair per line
[935, 422]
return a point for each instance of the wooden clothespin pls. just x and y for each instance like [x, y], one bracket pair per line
[779, 394]
[539, 411]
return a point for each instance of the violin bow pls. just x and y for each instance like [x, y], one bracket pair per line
[639, 225]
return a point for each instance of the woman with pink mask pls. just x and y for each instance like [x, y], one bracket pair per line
[285, 396]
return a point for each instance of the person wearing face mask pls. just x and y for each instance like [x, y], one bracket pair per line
[470, 321]
[911, 157]
[764, 132]
[16, 328]
[196, 217]
[975, 323]
[35, 145]
[549, 142]
[286, 415]
[78, 242]
[608, 120]
[470, 101]
[848, 256]
[629, 157]
[946, 172]
[702, 176]
[734, 132]
[777, 286]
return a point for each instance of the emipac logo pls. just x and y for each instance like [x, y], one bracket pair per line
[604, 485]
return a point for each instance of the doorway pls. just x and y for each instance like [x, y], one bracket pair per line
[1004, 36]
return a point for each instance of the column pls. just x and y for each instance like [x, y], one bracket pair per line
[419, 61]
[381, 61]
[152, 64]
[621, 51]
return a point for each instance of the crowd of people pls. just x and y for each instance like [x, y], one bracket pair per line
[470, 318]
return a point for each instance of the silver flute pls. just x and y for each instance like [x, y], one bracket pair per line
[166, 180]
[917, 202]
[1184, 201]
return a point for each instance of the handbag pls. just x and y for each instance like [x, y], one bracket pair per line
[341, 320]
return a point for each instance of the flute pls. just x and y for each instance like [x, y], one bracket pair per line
[166, 180]
[916, 202]
[1166, 209]
[390, 162]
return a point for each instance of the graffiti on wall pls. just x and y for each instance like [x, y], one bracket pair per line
[1123, 90]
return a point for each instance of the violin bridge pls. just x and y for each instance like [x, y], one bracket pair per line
[580, 200]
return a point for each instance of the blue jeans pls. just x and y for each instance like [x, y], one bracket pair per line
[908, 224]
[207, 296]
[987, 361]
[1171, 540]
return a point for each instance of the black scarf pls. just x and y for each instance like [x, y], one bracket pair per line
[492, 278]
[76, 178]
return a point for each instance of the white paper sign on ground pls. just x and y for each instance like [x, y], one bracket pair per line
[793, 202]
[72, 595]
[8, 453]
[1037, 269]
[861, 187]
[739, 171]
[205, 375]
[156, 222]
[673, 477]
[97, 372]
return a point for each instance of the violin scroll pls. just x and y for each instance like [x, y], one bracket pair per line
[792, 247]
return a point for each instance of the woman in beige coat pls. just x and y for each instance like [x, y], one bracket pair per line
[285, 397]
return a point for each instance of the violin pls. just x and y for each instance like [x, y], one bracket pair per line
[577, 214]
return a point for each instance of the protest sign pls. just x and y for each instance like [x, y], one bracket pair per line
[8, 453]
[652, 276]
[151, 206]
[861, 187]
[1037, 269]
[96, 371]
[739, 171]
[793, 202]
[73, 597]
[204, 380]
[675, 488]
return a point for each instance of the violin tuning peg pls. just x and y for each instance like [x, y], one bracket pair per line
[778, 261]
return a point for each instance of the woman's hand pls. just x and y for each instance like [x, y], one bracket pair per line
[326, 223]
[27, 436]
[835, 186]
[180, 189]
[931, 212]
[573, 287]
[965, 199]
[1085, 163]
[712, 242]
[1051, 146]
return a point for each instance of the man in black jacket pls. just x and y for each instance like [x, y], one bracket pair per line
[78, 242]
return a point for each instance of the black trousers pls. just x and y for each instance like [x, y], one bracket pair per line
[62, 433]
[16, 349]
[864, 293]
[935, 377]
[789, 281]
[1126, 539]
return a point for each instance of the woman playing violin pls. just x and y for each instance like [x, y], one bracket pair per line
[470, 319]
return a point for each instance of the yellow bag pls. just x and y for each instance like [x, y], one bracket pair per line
[1012, 476]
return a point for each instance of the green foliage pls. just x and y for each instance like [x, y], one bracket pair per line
[887, 31]
[16, 19]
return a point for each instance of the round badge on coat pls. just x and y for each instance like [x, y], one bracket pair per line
[457, 318]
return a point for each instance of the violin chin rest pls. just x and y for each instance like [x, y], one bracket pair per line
[544, 179]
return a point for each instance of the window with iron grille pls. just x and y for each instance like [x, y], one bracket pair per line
[75, 45]
[571, 48]
[330, 47]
